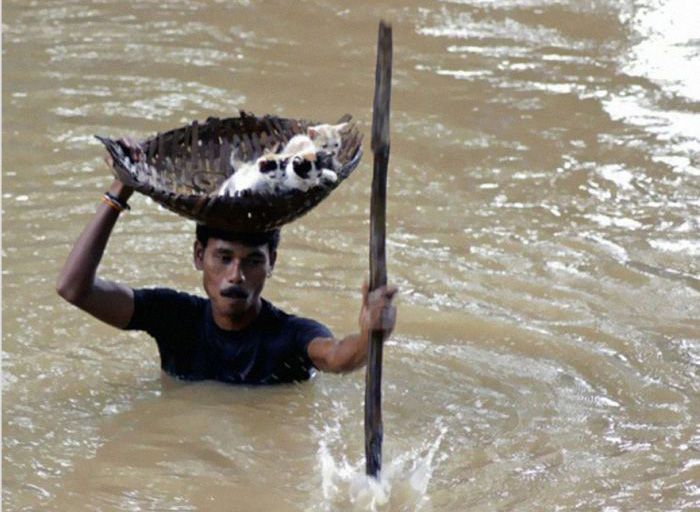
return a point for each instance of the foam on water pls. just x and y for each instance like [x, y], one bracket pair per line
[402, 483]
[666, 53]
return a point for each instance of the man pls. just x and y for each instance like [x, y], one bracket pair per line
[233, 336]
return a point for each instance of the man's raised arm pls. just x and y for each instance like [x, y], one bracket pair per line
[110, 302]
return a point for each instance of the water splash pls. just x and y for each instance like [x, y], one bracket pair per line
[402, 483]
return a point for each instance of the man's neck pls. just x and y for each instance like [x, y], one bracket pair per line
[238, 322]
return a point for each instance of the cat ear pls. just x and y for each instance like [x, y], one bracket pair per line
[341, 126]
[312, 131]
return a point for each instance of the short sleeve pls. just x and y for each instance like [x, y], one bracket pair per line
[307, 330]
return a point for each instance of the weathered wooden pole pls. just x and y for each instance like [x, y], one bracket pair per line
[377, 246]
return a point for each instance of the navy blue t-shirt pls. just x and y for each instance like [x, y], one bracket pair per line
[272, 349]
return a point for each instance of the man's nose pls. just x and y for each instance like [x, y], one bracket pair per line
[235, 273]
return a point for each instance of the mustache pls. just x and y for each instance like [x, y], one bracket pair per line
[235, 292]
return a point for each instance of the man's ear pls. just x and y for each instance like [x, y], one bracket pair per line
[198, 255]
[273, 259]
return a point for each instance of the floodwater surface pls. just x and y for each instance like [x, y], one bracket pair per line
[543, 220]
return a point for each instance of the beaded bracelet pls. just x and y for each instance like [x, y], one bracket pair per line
[114, 203]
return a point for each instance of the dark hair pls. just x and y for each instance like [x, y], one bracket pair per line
[271, 238]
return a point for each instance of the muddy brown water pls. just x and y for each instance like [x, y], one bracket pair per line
[544, 209]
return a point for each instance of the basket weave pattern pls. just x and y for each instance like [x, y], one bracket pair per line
[183, 169]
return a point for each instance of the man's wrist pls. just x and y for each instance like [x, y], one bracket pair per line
[120, 192]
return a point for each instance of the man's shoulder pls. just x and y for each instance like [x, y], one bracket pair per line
[153, 306]
[167, 294]
[297, 323]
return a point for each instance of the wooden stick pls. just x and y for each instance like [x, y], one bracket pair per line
[377, 254]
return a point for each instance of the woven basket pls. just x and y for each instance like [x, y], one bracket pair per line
[184, 168]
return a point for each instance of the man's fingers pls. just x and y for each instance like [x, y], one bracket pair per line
[135, 150]
[384, 320]
[388, 318]
[383, 292]
[380, 312]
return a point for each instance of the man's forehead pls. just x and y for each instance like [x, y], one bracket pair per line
[218, 244]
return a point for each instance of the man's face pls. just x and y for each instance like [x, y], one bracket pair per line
[233, 274]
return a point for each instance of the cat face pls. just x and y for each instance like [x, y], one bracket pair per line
[327, 137]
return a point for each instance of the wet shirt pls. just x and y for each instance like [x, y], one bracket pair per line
[272, 349]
